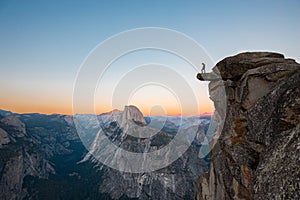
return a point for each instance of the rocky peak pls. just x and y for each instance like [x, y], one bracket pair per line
[132, 113]
[111, 112]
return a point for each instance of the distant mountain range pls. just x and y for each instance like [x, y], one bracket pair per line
[6, 113]
[45, 156]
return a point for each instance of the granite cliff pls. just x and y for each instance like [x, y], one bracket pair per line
[256, 146]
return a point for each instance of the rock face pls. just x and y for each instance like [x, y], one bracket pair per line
[132, 113]
[172, 182]
[256, 146]
[4, 138]
[15, 160]
[31, 147]
[14, 125]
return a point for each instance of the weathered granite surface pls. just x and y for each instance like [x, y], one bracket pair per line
[256, 148]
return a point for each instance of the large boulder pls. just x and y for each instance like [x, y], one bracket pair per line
[235, 66]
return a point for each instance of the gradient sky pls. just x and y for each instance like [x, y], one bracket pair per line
[43, 43]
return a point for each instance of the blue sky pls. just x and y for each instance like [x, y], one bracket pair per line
[43, 43]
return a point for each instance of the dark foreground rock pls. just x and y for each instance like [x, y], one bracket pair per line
[256, 146]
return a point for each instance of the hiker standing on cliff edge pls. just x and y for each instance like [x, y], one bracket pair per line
[203, 68]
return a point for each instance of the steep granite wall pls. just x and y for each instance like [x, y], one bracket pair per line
[256, 147]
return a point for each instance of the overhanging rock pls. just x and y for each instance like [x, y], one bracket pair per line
[208, 77]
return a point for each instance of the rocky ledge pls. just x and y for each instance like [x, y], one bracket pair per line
[256, 145]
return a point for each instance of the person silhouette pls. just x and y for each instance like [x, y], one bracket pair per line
[203, 68]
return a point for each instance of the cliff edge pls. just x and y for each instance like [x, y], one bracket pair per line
[256, 146]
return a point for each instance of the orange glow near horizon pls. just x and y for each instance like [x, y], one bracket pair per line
[162, 103]
[155, 100]
[38, 108]
[67, 110]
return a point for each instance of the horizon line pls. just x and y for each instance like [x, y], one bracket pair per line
[41, 113]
